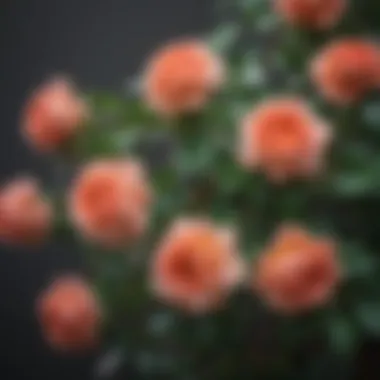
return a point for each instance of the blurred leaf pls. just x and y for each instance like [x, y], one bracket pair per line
[267, 23]
[110, 111]
[252, 7]
[105, 101]
[353, 183]
[342, 334]
[358, 182]
[252, 72]
[125, 141]
[106, 108]
[160, 323]
[371, 115]
[357, 262]
[229, 176]
[193, 163]
[224, 37]
[239, 109]
[368, 315]
[357, 174]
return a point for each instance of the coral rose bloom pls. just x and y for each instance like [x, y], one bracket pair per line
[196, 265]
[109, 202]
[283, 138]
[311, 14]
[181, 77]
[53, 115]
[25, 216]
[69, 314]
[346, 70]
[298, 271]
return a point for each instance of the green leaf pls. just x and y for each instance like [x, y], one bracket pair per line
[110, 111]
[160, 323]
[224, 37]
[357, 262]
[250, 6]
[342, 334]
[125, 140]
[356, 170]
[353, 183]
[368, 315]
[371, 115]
[229, 176]
[267, 23]
[106, 108]
[252, 72]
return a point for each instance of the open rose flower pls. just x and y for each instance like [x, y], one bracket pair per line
[196, 265]
[181, 77]
[298, 271]
[347, 70]
[53, 115]
[109, 201]
[69, 314]
[284, 139]
[311, 14]
[25, 216]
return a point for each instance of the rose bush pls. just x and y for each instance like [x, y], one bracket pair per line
[234, 243]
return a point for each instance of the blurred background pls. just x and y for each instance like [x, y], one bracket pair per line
[100, 44]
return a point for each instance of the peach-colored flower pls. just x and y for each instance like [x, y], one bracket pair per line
[283, 138]
[53, 115]
[25, 216]
[298, 271]
[346, 70]
[196, 265]
[311, 14]
[110, 201]
[69, 314]
[181, 76]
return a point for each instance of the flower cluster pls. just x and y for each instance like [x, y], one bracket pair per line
[196, 262]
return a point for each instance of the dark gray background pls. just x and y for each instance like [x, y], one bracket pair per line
[100, 43]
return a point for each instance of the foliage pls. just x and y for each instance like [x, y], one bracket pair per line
[192, 167]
